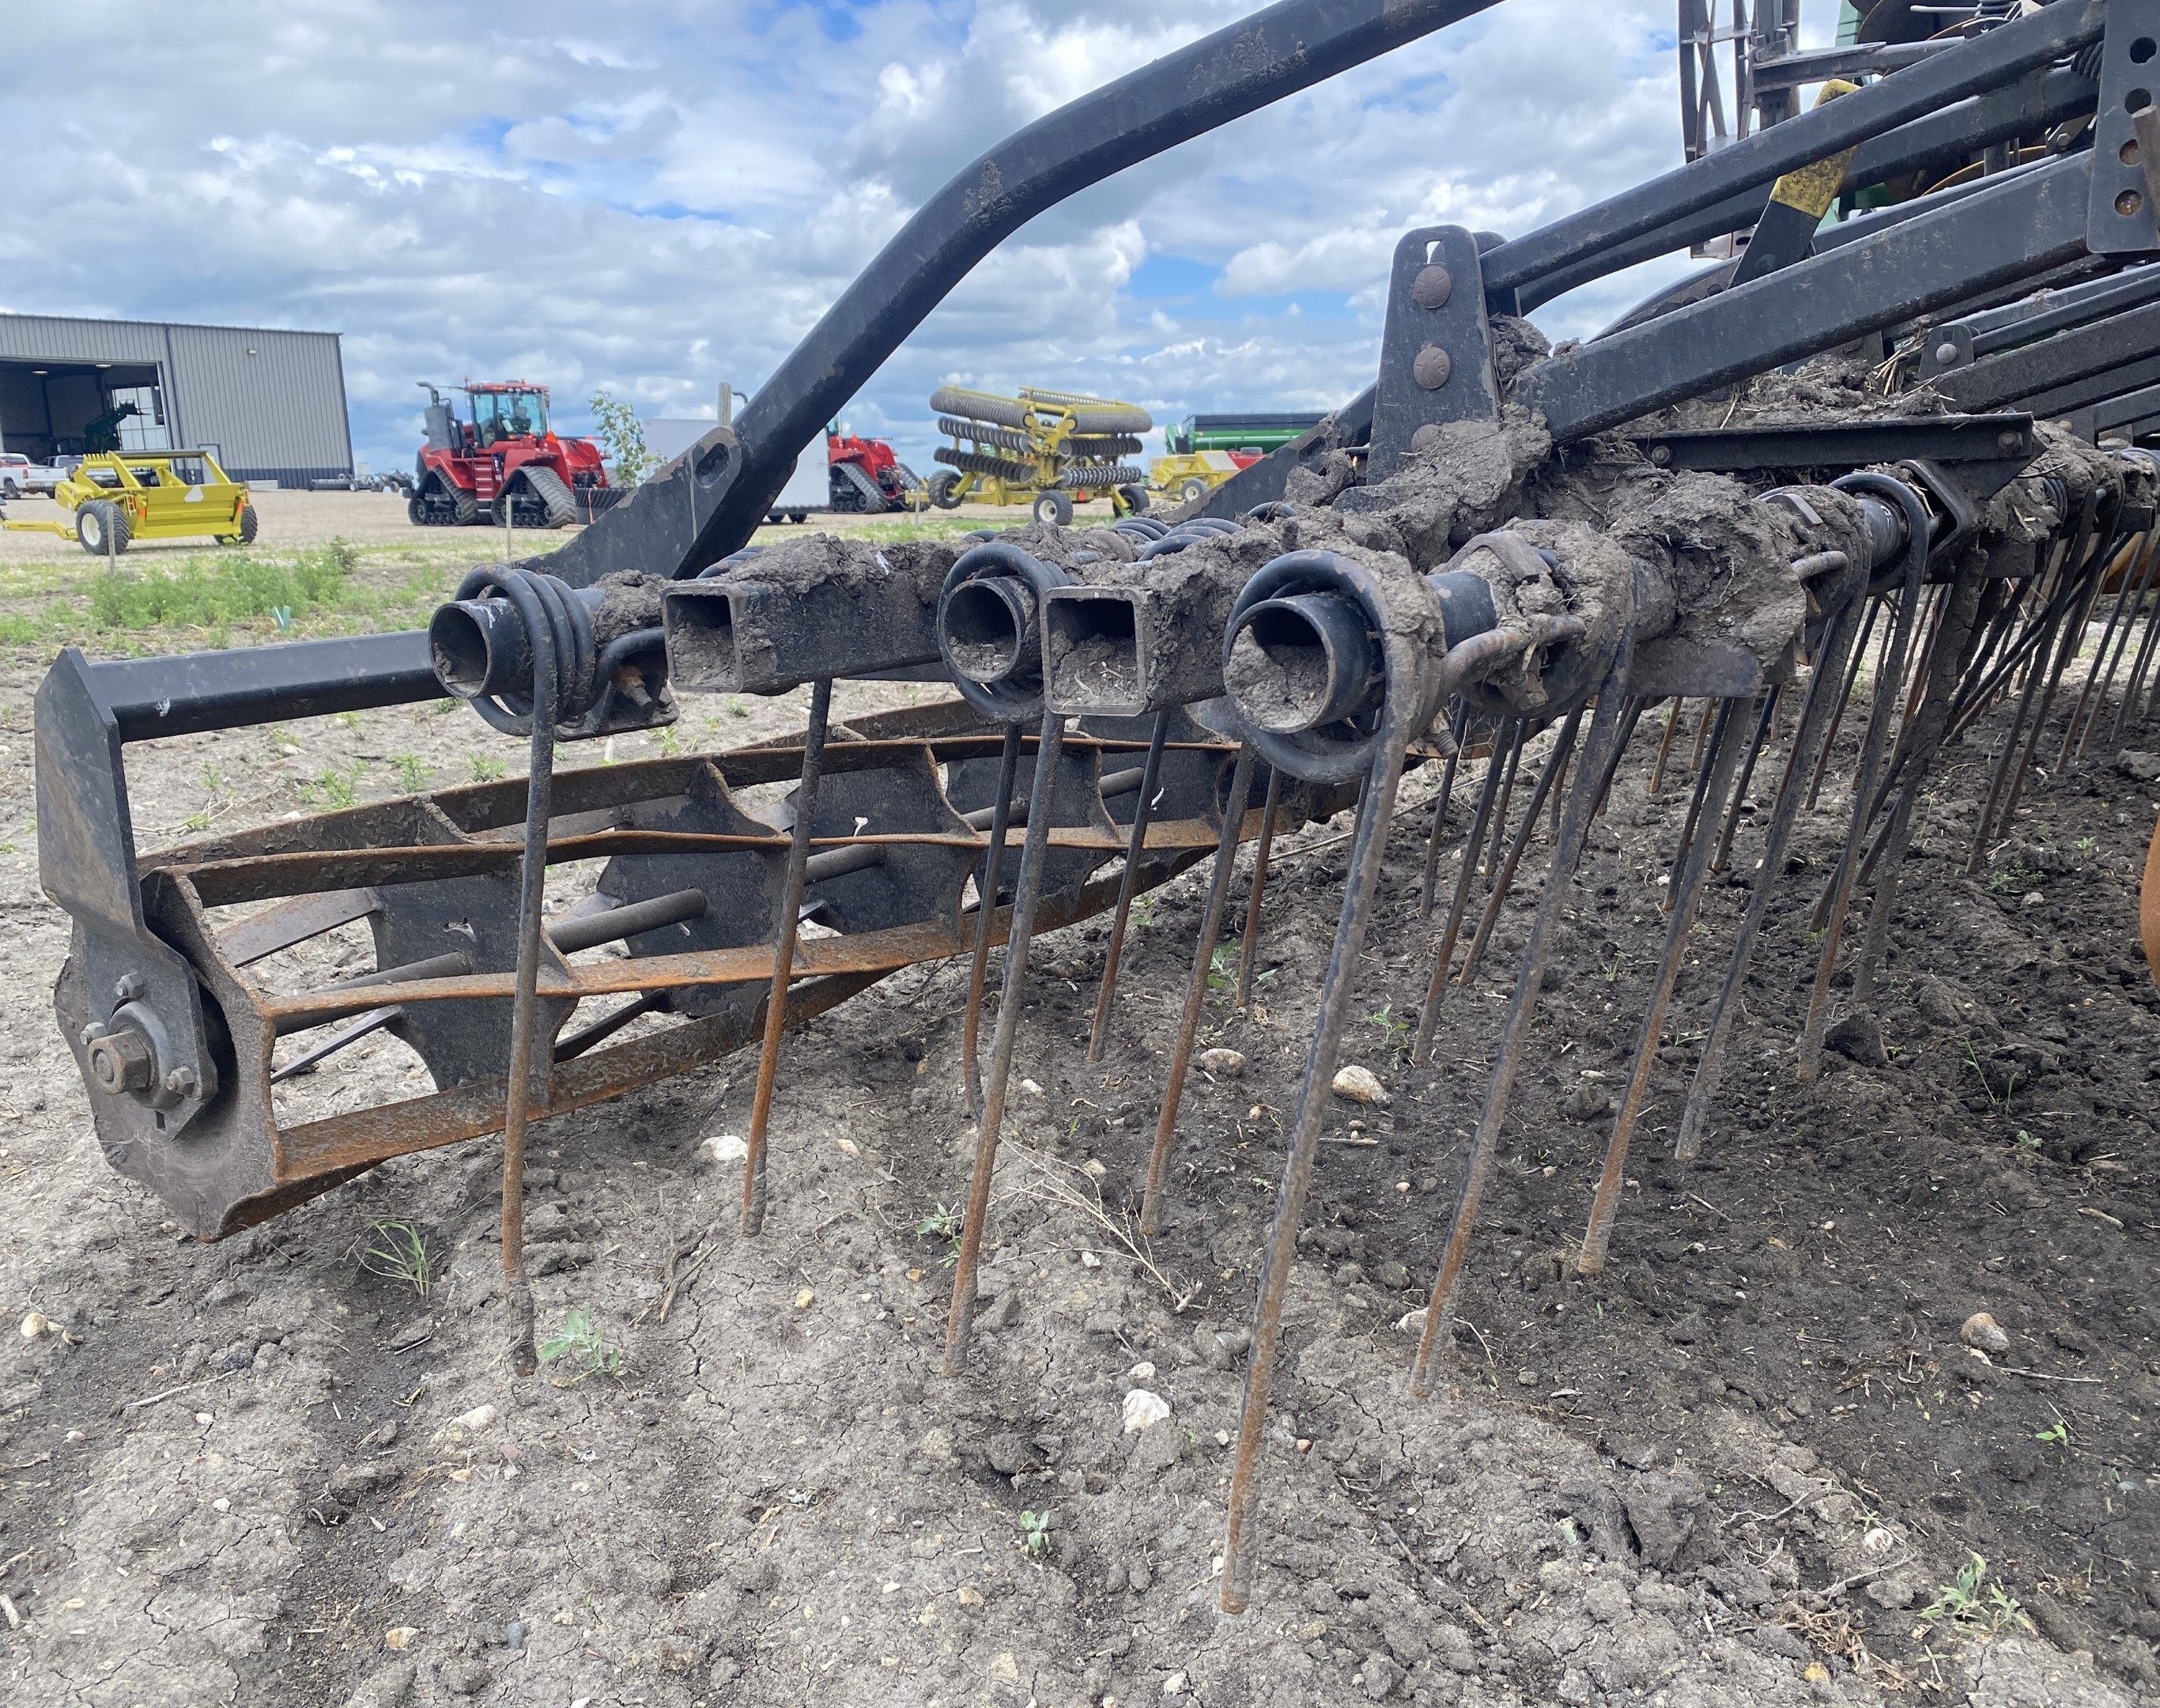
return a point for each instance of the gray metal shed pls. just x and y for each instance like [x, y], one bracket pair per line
[271, 402]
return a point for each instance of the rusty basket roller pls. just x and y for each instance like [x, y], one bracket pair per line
[1976, 533]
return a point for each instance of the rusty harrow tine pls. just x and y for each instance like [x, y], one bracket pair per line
[1702, 739]
[2110, 559]
[1889, 683]
[1368, 845]
[1844, 700]
[2034, 635]
[986, 907]
[2027, 694]
[1027, 893]
[1196, 989]
[2065, 651]
[1249, 941]
[785, 917]
[1815, 710]
[1665, 744]
[1523, 733]
[1548, 774]
[1459, 729]
[2135, 574]
[2133, 689]
[1510, 728]
[525, 1000]
[1106, 993]
[1697, 797]
[2130, 685]
[1556, 793]
[1691, 864]
[1631, 716]
[1764, 723]
[1961, 612]
[1575, 828]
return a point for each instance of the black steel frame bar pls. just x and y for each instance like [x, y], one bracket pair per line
[2003, 56]
[2026, 225]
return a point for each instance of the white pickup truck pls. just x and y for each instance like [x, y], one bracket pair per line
[19, 475]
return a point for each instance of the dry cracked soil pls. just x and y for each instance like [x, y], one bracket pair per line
[1745, 1465]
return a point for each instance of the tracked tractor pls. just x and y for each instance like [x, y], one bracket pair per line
[866, 477]
[505, 454]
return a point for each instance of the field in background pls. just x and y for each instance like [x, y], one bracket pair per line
[324, 564]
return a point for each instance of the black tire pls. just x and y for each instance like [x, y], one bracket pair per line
[15, 492]
[100, 520]
[1136, 500]
[1193, 487]
[944, 491]
[798, 517]
[1054, 507]
[249, 526]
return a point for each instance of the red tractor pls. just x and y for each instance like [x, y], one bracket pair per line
[505, 454]
[865, 477]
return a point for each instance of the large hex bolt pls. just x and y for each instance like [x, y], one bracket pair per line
[121, 1062]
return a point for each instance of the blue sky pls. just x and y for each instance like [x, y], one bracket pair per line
[651, 198]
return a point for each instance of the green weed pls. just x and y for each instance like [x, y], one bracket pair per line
[1394, 1030]
[398, 1251]
[485, 769]
[1973, 1601]
[578, 1342]
[334, 789]
[413, 773]
[1034, 1534]
[2014, 880]
[943, 1224]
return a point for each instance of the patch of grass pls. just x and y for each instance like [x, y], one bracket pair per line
[484, 768]
[413, 773]
[398, 1250]
[231, 588]
[580, 1344]
[1972, 1601]
[334, 789]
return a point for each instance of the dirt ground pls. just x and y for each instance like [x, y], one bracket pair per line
[1747, 1465]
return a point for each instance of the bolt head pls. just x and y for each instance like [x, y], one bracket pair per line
[1433, 286]
[1946, 352]
[1425, 437]
[2011, 441]
[129, 987]
[1432, 368]
[181, 1082]
[121, 1062]
[1661, 454]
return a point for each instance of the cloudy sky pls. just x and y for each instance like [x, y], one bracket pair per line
[652, 196]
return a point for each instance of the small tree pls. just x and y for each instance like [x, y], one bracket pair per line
[623, 434]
